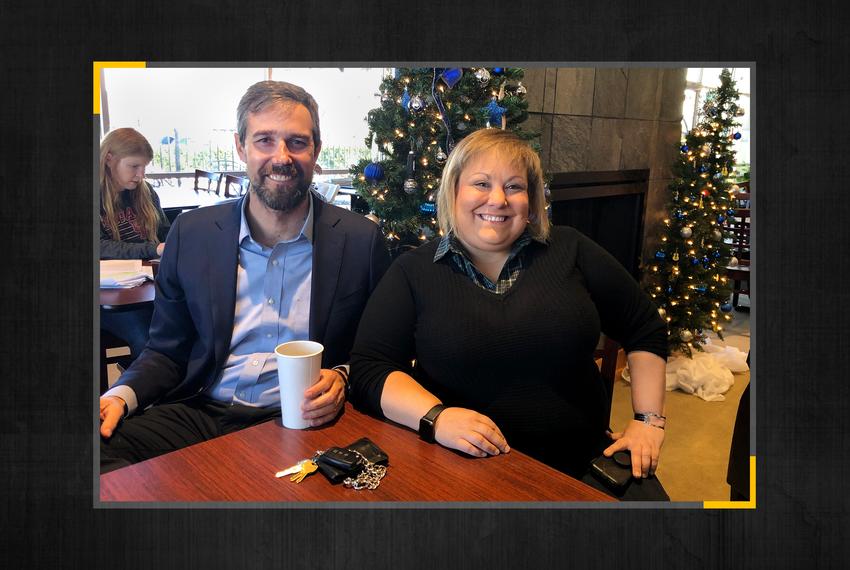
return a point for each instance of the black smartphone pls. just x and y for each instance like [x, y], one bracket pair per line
[614, 471]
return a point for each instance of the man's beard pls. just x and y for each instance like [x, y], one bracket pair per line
[281, 198]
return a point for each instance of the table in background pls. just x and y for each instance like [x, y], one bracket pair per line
[241, 467]
[175, 200]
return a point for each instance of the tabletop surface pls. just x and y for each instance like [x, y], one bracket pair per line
[122, 299]
[187, 197]
[240, 467]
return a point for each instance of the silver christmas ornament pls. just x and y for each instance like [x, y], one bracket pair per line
[521, 89]
[739, 112]
[687, 335]
[661, 312]
[461, 126]
[410, 185]
[687, 232]
[441, 156]
[718, 235]
[416, 104]
[483, 76]
[733, 262]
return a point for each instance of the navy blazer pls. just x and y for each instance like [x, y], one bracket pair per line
[196, 296]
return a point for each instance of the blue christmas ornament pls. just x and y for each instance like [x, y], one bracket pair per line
[679, 215]
[716, 254]
[373, 172]
[451, 76]
[701, 288]
[684, 148]
[721, 218]
[706, 260]
[405, 100]
[428, 208]
[730, 211]
[669, 290]
[495, 112]
[497, 70]
[726, 307]
[660, 255]
[694, 261]
[703, 168]
[736, 136]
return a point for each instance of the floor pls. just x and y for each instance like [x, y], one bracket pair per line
[695, 454]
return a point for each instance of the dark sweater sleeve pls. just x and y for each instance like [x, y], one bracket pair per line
[627, 313]
[114, 249]
[385, 339]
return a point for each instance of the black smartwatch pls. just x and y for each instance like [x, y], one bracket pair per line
[426, 424]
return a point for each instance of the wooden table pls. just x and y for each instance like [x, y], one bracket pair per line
[127, 299]
[241, 466]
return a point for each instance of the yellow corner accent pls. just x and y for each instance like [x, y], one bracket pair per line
[751, 504]
[97, 66]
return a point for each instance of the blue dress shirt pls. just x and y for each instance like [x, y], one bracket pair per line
[272, 306]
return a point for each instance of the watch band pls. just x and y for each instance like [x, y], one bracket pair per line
[426, 424]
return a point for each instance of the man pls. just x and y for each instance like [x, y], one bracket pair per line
[236, 280]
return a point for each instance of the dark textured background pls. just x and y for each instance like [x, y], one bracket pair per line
[47, 517]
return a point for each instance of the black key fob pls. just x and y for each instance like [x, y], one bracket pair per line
[343, 459]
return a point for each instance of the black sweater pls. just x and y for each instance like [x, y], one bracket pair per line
[129, 244]
[524, 358]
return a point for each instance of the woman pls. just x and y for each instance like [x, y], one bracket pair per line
[132, 223]
[502, 316]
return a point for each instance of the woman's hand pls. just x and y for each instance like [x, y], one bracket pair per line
[470, 432]
[644, 441]
[160, 248]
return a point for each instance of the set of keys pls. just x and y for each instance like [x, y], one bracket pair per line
[299, 471]
[344, 461]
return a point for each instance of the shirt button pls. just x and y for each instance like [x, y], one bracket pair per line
[271, 301]
[268, 335]
[274, 262]
[256, 362]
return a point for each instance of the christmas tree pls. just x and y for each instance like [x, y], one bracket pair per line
[424, 112]
[687, 276]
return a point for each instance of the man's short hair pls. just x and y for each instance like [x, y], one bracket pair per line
[513, 149]
[262, 94]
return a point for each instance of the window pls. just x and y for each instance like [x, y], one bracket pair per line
[189, 114]
[702, 79]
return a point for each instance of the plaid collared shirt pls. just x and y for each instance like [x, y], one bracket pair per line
[450, 246]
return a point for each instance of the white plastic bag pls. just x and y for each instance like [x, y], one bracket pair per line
[707, 375]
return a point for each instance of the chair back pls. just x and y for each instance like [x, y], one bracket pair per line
[737, 227]
[234, 186]
[207, 181]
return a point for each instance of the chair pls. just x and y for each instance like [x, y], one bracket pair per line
[240, 184]
[213, 181]
[108, 341]
[737, 227]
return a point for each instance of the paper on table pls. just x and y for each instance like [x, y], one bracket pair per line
[124, 273]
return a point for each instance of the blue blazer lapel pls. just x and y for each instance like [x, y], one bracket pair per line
[223, 256]
[328, 251]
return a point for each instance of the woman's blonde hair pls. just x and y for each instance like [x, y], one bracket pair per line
[122, 143]
[514, 149]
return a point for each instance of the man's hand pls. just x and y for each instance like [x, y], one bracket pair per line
[111, 412]
[323, 400]
[470, 432]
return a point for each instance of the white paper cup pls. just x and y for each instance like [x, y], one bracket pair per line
[299, 365]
